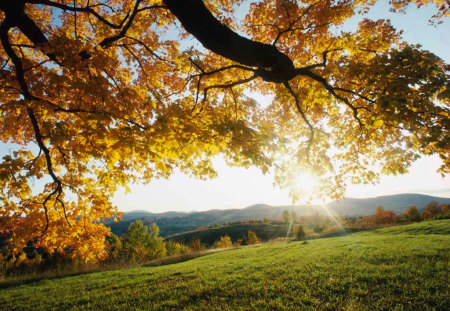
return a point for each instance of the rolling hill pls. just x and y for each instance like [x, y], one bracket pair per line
[397, 268]
[176, 222]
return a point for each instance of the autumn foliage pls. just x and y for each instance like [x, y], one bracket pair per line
[97, 94]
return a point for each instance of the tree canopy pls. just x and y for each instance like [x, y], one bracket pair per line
[102, 93]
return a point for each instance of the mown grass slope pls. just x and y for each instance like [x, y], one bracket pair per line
[401, 268]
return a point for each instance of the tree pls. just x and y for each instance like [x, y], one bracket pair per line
[251, 238]
[412, 214]
[142, 242]
[383, 216]
[286, 216]
[430, 211]
[379, 214]
[224, 242]
[299, 232]
[196, 245]
[175, 248]
[114, 246]
[293, 216]
[97, 94]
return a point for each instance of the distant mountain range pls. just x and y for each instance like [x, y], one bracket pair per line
[177, 222]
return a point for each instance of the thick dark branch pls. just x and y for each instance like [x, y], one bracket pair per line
[15, 16]
[20, 73]
[273, 65]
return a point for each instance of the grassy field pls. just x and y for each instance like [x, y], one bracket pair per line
[396, 268]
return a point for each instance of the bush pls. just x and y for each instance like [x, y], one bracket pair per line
[251, 238]
[142, 243]
[175, 248]
[299, 232]
[196, 245]
[114, 247]
[224, 242]
[412, 214]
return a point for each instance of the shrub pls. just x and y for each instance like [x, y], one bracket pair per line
[142, 243]
[175, 248]
[224, 242]
[412, 214]
[251, 238]
[299, 232]
[196, 245]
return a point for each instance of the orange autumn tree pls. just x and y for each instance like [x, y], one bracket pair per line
[97, 94]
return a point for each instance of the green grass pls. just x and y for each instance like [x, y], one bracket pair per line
[396, 268]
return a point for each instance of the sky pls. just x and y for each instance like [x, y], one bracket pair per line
[240, 187]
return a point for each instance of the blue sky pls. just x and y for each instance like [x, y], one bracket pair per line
[239, 187]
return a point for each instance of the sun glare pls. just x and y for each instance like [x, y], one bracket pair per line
[306, 182]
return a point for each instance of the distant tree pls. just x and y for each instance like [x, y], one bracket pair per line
[175, 248]
[430, 211]
[293, 217]
[444, 210]
[251, 238]
[379, 214]
[143, 243]
[299, 232]
[114, 246]
[286, 216]
[196, 245]
[412, 214]
[390, 217]
[266, 220]
[383, 216]
[319, 228]
[224, 242]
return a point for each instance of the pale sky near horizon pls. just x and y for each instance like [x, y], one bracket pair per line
[240, 187]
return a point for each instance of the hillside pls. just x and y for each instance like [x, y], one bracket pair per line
[237, 231]
[176, 222]
[404, 269]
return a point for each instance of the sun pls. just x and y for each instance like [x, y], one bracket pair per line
[306, 182]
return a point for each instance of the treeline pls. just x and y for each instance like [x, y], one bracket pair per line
[385, 217]
[141, 244]
[265, 220]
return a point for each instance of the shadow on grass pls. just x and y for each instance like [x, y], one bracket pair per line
[33, 278]
[19, 280]
[184, 257]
